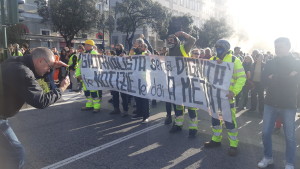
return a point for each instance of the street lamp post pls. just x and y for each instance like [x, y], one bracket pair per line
[3, 31]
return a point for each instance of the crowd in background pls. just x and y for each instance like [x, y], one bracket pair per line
[247, 89]
[252, 95]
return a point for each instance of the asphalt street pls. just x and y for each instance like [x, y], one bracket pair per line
[62, 136]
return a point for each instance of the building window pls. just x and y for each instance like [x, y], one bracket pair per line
[45, 32]
[45, 44]
[84, 36]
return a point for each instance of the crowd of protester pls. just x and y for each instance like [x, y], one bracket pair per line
[250, 97]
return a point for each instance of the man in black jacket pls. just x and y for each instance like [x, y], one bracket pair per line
[18, 85]
[280, 77]
[120, 52]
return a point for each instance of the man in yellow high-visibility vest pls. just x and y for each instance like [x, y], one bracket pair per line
[73, 64]
[177, 48]
[93, 96]
[224, 54]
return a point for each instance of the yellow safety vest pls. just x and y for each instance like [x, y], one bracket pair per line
[71, 61]
[239, 76]
[19, 54]
[183, 52]
[78, 70]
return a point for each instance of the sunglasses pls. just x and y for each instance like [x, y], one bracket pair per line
[50, 67]
[196, 53]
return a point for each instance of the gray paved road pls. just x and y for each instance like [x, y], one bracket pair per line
[62, 136]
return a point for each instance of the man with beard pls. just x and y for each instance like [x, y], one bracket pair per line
[178, 48]
[120, 50]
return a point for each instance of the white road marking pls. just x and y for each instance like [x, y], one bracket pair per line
[240, 113]
[245, 124]
[91, 125]
[56, 104]
[101, 147]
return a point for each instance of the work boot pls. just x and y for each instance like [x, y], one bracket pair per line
[115, 111]
[232, 151]
[212, 144]
[168, 120]
[175, 129]
[192, 133]
[96, 111]
[86, 108]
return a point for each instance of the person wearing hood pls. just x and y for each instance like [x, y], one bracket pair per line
[18, 85]
[224, 54]
[178, 48]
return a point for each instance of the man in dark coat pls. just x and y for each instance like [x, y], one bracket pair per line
[18, 85]
[281, 77]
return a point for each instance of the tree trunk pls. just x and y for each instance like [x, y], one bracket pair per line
[110, 40]
[131, 39]
[127, 41]
[68, 41]
[103, 41]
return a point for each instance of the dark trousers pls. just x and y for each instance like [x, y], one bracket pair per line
[169, 108]
[142, 107]
[116, 100]
[243, 99]
[93, 93]
[257, 94]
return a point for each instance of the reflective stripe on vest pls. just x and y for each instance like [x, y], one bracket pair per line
[239, 76]
[183, 52]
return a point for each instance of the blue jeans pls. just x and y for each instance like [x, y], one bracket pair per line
[288, 119]
[11, 150]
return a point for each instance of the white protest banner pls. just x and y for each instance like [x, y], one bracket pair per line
[183, 81]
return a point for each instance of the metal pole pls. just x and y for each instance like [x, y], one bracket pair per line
[5, 43]
[3, 25]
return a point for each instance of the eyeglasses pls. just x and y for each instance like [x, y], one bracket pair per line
[196, 53]
[50, 67]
